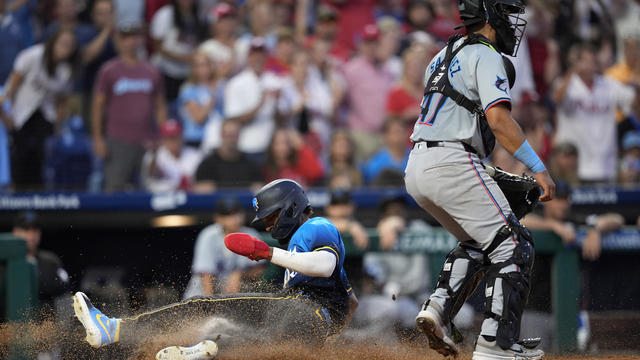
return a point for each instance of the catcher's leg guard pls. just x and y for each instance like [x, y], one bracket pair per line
[508, 284]
[462, 271]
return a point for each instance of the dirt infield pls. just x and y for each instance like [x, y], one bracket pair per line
[32, 338]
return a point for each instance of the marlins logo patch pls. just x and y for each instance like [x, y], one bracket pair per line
[502, 84]
[255, 204]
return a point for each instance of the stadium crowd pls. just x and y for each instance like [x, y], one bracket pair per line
[196, 95]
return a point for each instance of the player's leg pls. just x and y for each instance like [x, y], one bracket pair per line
[268, 314]
[506, 293]
[463, 267]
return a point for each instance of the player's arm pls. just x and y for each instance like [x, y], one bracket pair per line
[511, 137]
[315, 263]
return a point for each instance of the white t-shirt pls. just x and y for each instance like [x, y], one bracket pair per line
[38, 89]
[163, 28]
[172, 169]
[242, 95]
[220, 53]
[586, 118]
[211, 256]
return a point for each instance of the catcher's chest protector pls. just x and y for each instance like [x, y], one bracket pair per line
[439, 83]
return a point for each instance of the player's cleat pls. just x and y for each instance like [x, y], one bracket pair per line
[489, 350]
[204, 350]
[429, 321]
[101, 330]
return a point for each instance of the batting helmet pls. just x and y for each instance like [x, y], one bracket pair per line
[502, 15]
[288, 199]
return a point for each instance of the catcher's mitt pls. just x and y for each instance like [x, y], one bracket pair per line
[521, 191]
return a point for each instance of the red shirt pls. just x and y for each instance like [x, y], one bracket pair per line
[400, 100]
[353, 15]
[307, 169]
[130, 92]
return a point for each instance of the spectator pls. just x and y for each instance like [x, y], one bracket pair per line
[630, 161]
[404, 98]
[327, 79]
[311, 100]
[97, 48]
[129, 96]
[564, 163]
[586, 115]
[627, 71]
[41, 76]
[172, 166]
[290, 157]
[215, 269]
[393, 156]
[68, 155]
[419, 14]
[326, 29]
[543, 48]
[446, 19]
[280, 62]
[390, 36]
[261, 24]
[67, 18]
[251, 99]
[340, 212]
[53, 279]
[175, 31]
[368, 84]
[342, 158]
[226, 166]
[200, 104]
[223, 48]
[12, 40]
[352, 16]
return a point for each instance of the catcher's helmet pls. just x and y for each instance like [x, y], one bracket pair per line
[502, 15]
[286, 197]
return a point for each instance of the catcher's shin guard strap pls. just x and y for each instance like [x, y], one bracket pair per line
[508, 282]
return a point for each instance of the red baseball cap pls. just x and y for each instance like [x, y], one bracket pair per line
[370, 32]
[221, 10]
[170, 128]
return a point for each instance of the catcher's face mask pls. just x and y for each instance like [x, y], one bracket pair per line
[505, 17]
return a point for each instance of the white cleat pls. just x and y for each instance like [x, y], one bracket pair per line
[489, 350]
[429, 321]
[204, 350]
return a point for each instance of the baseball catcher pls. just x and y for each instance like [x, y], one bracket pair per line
[465, 109]
[316, 302]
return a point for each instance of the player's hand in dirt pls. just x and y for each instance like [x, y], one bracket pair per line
[247, 245]
[546, 183]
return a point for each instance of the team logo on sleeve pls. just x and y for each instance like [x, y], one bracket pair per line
[502, 84]
[255, 204]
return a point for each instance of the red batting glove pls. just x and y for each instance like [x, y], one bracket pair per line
[247, 245]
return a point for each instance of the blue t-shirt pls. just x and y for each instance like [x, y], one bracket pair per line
[201, 94]
[382, 160]
[319, 234]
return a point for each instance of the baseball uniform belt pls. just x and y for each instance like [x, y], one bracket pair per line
[451, 144]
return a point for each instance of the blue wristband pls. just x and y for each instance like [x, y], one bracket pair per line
[529, 157]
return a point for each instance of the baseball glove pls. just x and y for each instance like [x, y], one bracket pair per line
[521, 191]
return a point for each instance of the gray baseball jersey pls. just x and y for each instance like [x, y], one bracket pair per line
[477, 71]
[211, 256]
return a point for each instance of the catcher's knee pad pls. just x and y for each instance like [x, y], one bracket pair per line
[462, 272]
[508, 287]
